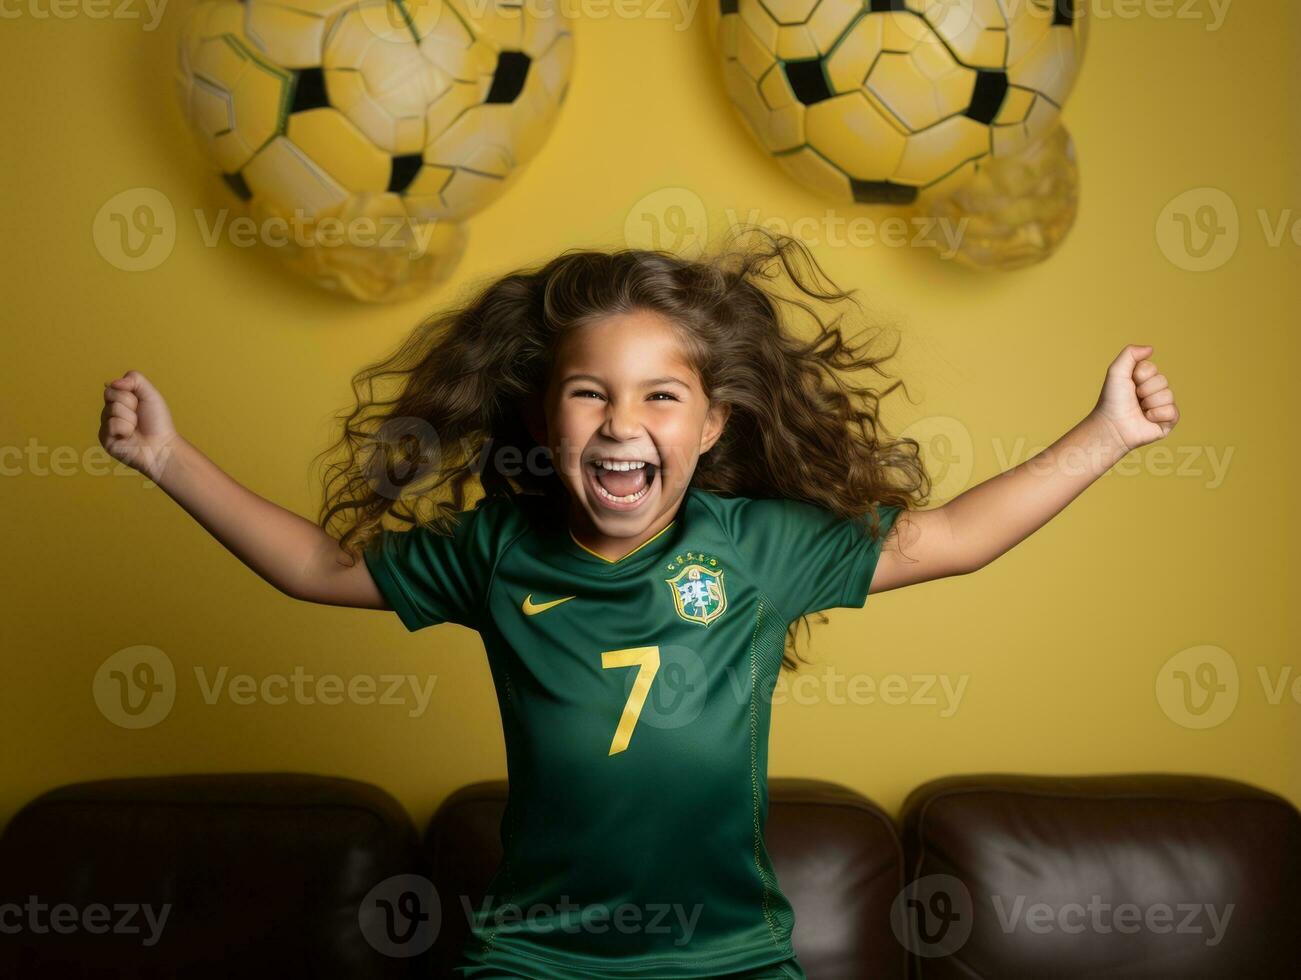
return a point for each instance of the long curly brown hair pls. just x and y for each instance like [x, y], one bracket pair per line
[802, 423]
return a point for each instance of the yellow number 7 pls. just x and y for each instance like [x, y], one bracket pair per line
[647, 661]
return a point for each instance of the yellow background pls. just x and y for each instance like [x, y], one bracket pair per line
[1061, 640]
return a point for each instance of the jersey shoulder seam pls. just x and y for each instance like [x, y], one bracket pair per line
[736, 546]
[501, 553]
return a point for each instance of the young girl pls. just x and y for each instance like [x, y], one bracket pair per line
[672, 478]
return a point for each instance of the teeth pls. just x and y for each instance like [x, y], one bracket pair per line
[623, 500]
[621, 466]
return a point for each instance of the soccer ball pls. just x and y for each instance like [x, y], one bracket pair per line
[880, 101]
[372, 127]
[1015, 212]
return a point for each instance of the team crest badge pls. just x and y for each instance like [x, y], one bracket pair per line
[697, 588]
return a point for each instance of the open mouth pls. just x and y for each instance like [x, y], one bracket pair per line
[621, 484]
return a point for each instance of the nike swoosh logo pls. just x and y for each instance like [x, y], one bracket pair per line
[532, 608]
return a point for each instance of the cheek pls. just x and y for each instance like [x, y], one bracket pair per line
[679, 439]
[568, 416]
[571, 431]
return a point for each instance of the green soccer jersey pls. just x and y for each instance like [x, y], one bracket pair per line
[635, 696]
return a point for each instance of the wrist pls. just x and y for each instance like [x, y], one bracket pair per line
[161, 462]
[1103, 434]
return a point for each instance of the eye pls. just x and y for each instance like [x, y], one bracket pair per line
[666, 394]
[584, 391]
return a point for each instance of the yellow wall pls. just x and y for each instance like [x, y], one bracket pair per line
[1061, 642]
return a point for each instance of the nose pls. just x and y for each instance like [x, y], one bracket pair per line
[621, 422]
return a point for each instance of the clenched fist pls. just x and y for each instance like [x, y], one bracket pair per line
[1136, 400]
[135, 426]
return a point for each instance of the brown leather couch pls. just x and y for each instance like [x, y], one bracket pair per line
[296, 875]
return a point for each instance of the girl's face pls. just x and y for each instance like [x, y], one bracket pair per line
[623, 394]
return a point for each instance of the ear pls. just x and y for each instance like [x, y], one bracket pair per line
[535, 418]
[715, 421]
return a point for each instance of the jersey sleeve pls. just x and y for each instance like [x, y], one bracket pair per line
[430, 578]
[807, 558]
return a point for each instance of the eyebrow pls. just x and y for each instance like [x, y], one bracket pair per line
[666, 380]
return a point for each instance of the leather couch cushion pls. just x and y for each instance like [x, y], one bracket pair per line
[264, 874]
[1101, 876]
[837, 858]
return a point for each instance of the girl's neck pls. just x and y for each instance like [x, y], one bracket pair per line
[612, 548]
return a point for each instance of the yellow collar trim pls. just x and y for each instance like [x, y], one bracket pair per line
[615, 561]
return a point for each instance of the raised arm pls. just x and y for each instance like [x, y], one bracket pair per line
[1136, 407]
[290, 552]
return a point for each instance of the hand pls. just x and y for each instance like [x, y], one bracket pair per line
[135, 426]
[1136, 403]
